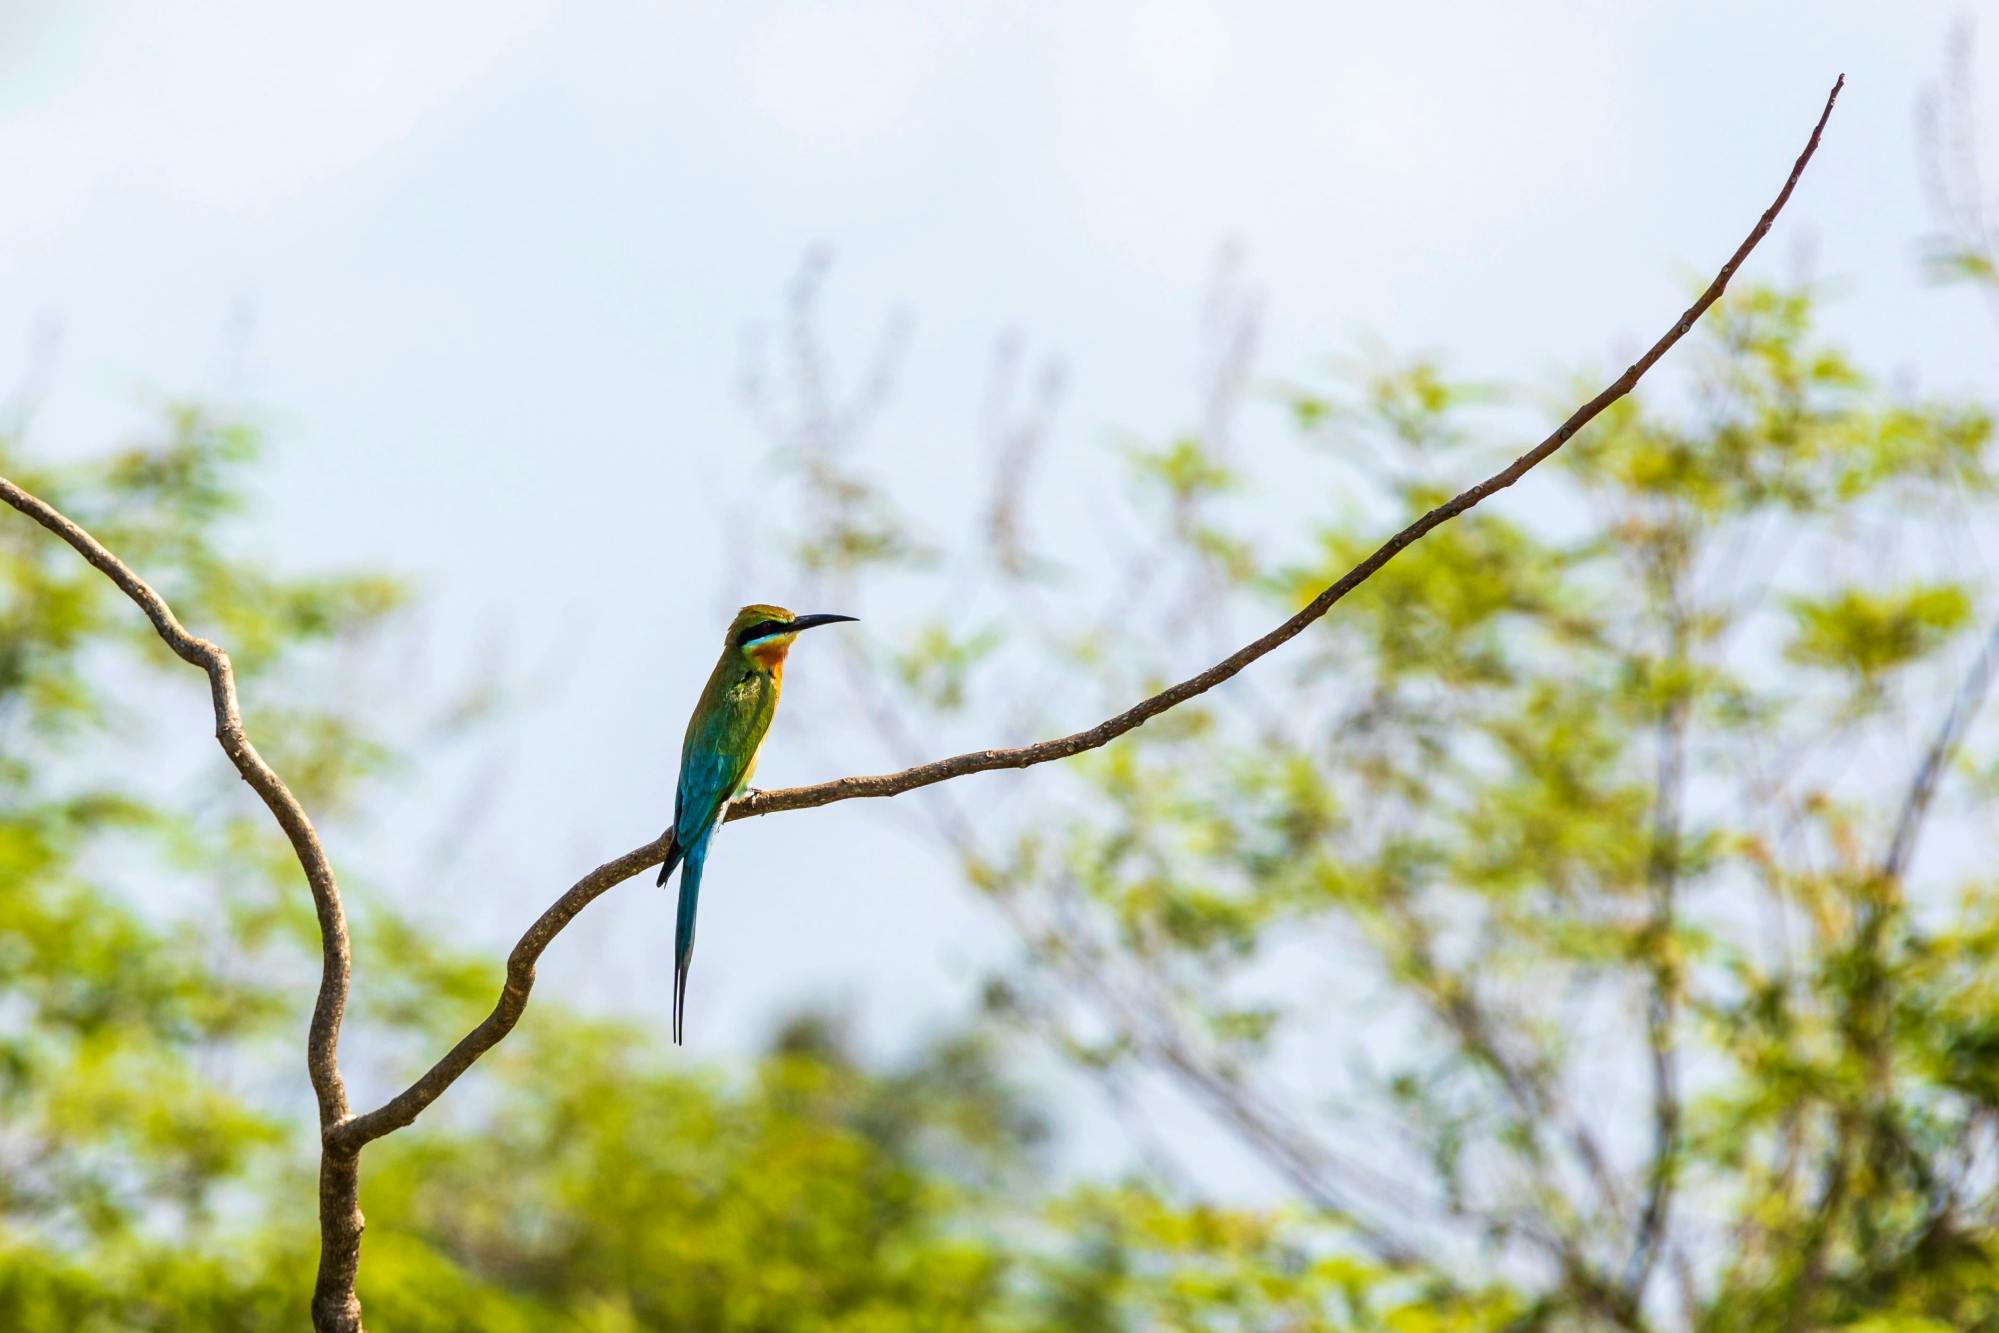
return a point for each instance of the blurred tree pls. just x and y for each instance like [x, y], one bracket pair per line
[1609, 828]
[1551, 927]
[1555, 913]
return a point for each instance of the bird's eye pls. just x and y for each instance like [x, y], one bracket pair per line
[758, 631]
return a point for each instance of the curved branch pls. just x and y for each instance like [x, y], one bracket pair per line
[406, 1105]
[339, 1193]
[1064, 747]
[324, 1037]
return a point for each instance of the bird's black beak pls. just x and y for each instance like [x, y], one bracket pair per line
[809, 622]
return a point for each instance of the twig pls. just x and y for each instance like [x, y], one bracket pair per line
[1661, 1008]
[1916, 806]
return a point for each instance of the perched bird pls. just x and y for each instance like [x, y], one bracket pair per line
[719, 754]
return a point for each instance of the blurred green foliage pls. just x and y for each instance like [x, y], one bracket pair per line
[156, 955]
[1550, 920]
[1548, 927]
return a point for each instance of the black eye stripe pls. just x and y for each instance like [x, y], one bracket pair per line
[757, 631]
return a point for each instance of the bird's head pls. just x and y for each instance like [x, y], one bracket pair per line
[764, 633]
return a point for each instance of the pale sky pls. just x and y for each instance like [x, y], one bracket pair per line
[496, 261]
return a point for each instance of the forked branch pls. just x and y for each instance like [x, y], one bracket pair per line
[340, 1213]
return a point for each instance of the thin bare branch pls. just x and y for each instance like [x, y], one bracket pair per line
[1662, 873]
[1964, 704]
[1015, 433]
[1064, 747]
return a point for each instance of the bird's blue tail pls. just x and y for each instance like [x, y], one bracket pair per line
[683, 930]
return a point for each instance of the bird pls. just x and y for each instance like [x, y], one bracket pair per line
[719, 754]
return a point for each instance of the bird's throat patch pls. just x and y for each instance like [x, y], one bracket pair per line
[769, 653]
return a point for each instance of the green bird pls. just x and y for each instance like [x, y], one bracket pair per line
[719, 754]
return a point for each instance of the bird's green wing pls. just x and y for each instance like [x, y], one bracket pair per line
[722, 740]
